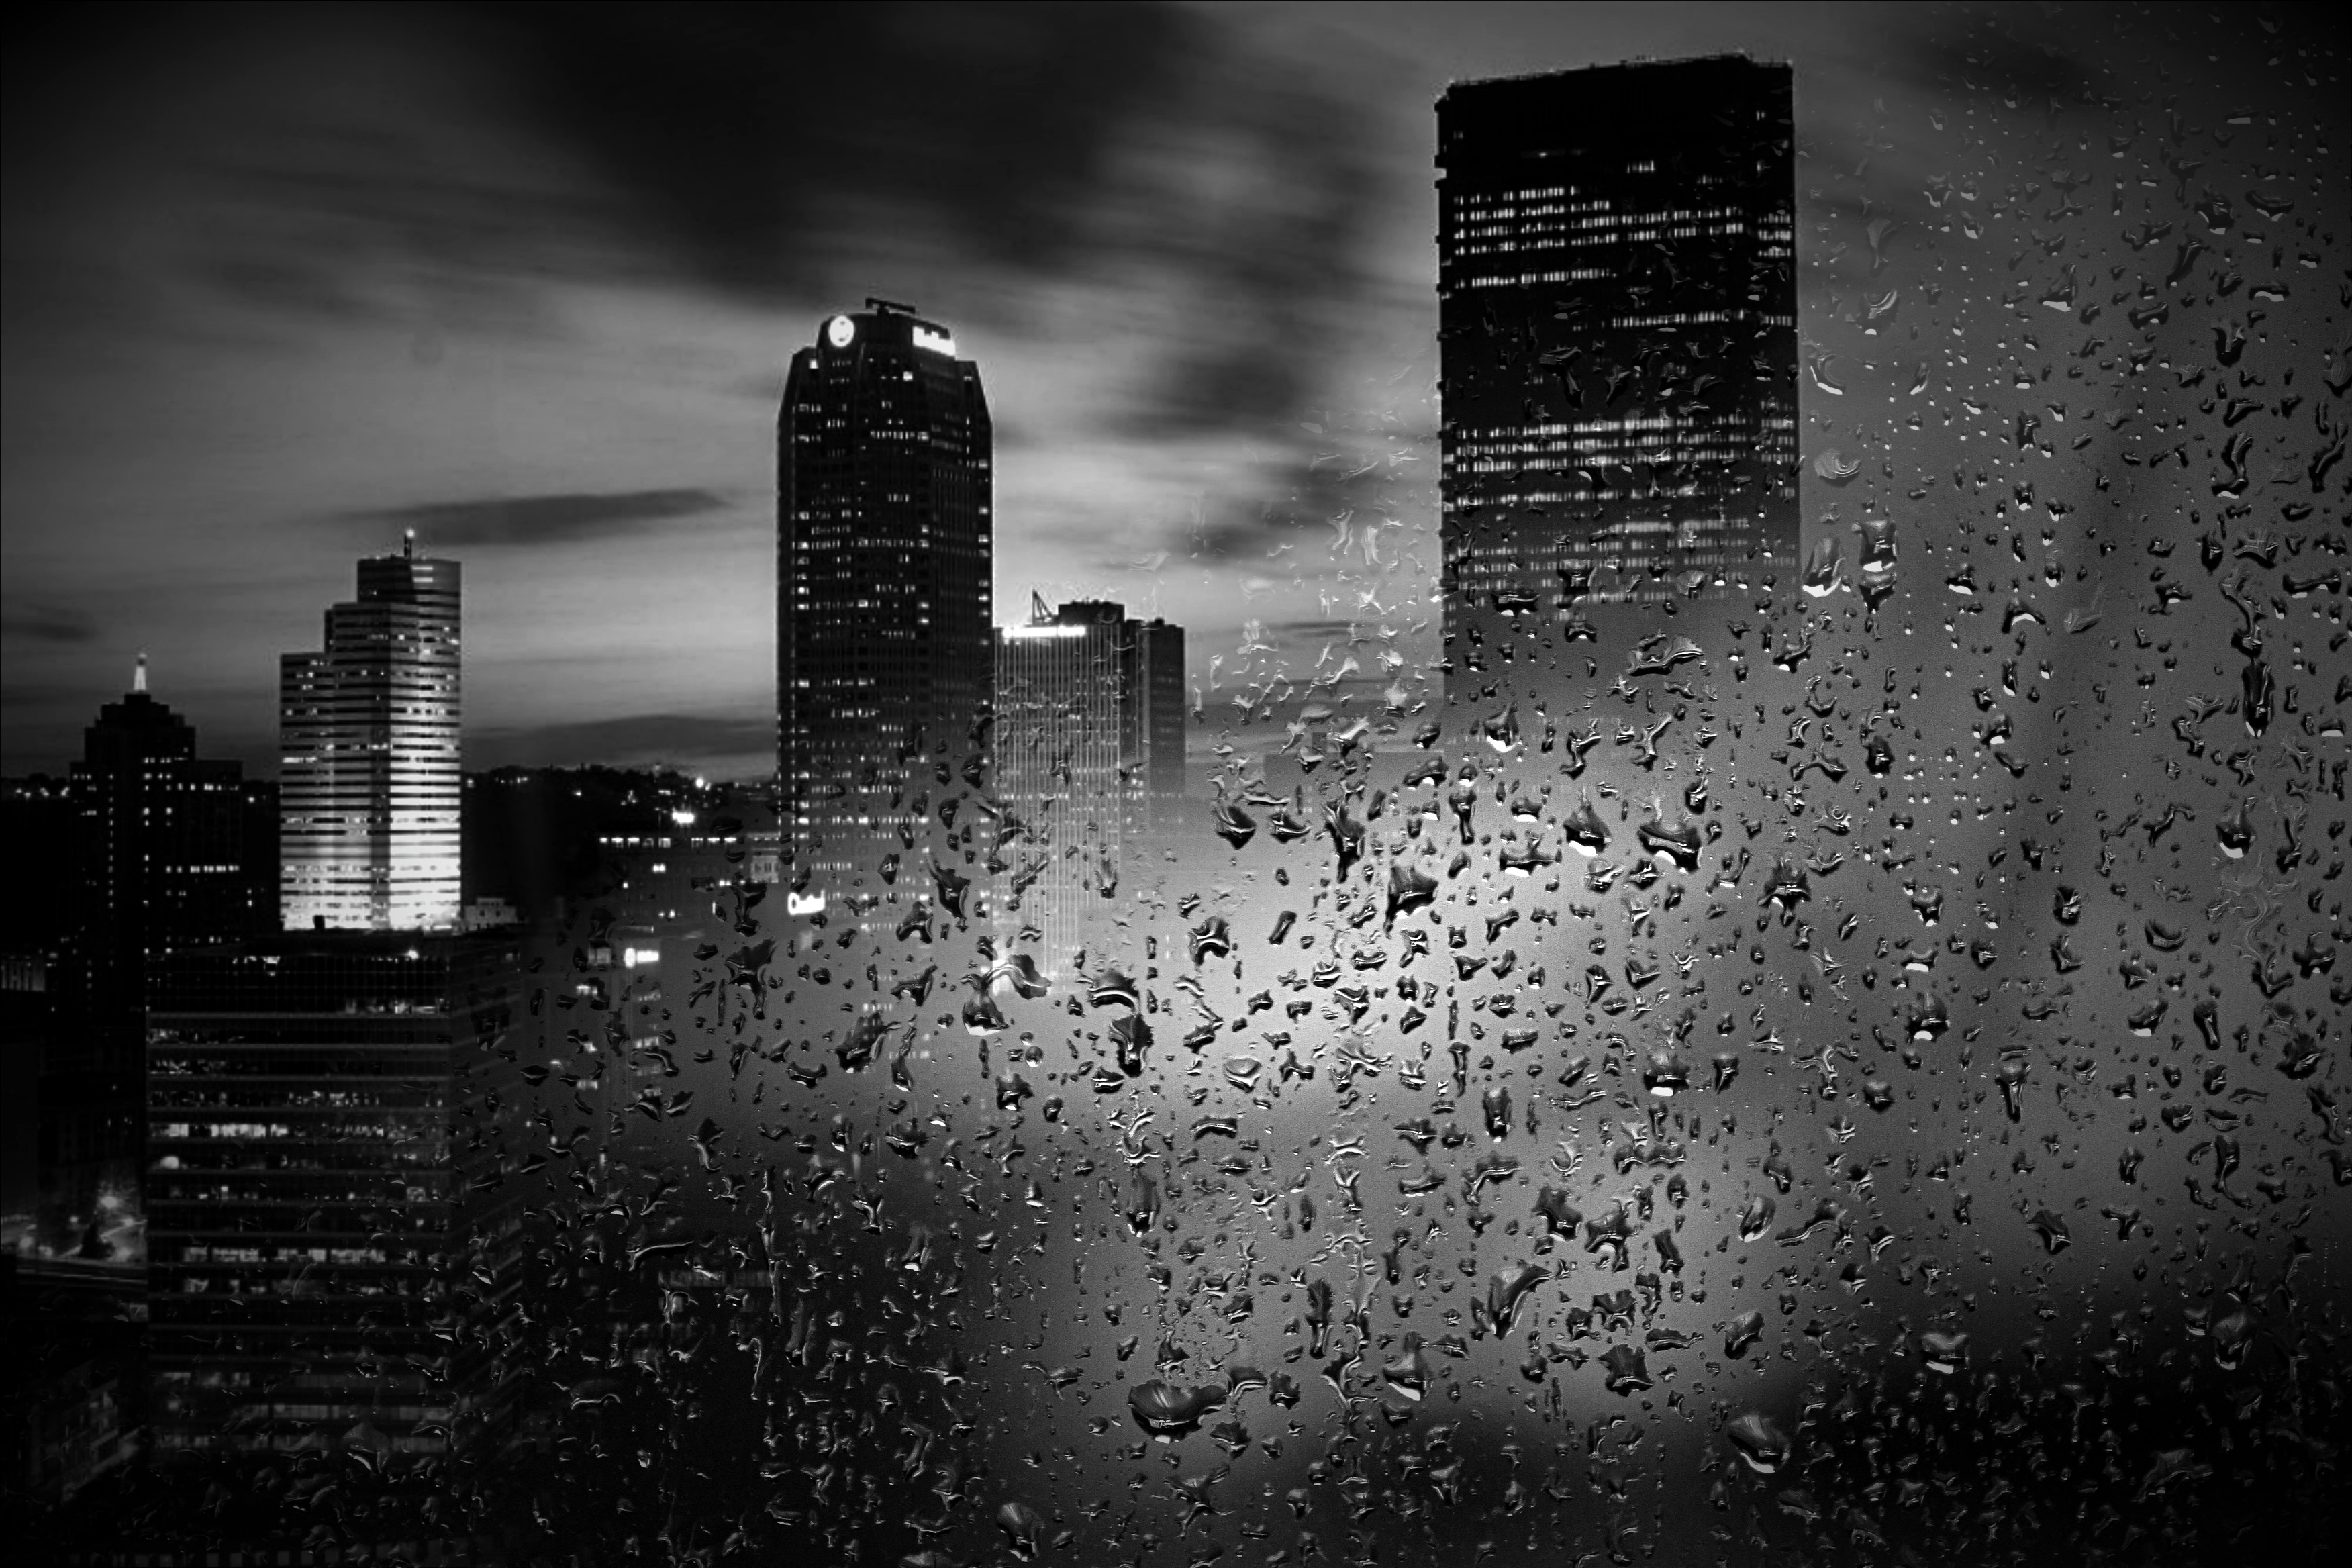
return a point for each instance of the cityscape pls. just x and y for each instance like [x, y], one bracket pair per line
[1735, 729]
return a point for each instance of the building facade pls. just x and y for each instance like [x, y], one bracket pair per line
[1617, 309]
[1152, 740]
[884, 550]
[673, 870]
[1089, 754]
[159, 865]
[331, 1229]
[370, 788]
[160, 858]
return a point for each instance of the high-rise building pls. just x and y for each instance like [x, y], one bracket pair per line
[1089, 746]
[884, 552]
[1617, 313]
[39, 825]
[1152, 739]
[369, 784]
[158, 865]
[330, 1118]
[264, 897]
[160, 858]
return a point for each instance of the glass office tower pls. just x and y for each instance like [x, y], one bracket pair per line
[160, 865]
[1089, 761]
[369, 788]
[1617, 309]
[884, 673]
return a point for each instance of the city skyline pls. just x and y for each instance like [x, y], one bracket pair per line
[1198, 375]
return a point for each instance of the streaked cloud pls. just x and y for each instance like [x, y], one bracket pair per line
[46, 623]
[541, 519]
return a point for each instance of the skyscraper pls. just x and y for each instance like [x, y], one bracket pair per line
[159, 867]
[1617, 309]
[160, 861]
[1153, 742]
[1090, 743]
[330, 1117]
[369, 782]
[884, 554]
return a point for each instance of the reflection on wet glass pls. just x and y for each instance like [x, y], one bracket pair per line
[1797, 1021]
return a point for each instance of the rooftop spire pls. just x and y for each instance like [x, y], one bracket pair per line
[138, 673]
[408, 543]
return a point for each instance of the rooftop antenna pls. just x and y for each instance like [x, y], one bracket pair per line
[138, 673]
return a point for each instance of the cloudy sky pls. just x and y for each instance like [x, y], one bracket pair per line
[280, 283]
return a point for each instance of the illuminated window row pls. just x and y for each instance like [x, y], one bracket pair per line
[1483, 438]
[1524, 280]
[1599, 214]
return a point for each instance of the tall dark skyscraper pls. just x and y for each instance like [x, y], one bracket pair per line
[328, 1117]
[161, 856]
[1617, 309]
[369, 788]
[159, 867]
[884, 629]
[1090, 748]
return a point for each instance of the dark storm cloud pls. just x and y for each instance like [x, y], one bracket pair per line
[323, 166]
[680, 738]
[968, 157]
[46, 623]
[2024, 67]
[771, 152]
[1989, 58]
[563, 519]
[743, 133]
[1041, 140]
